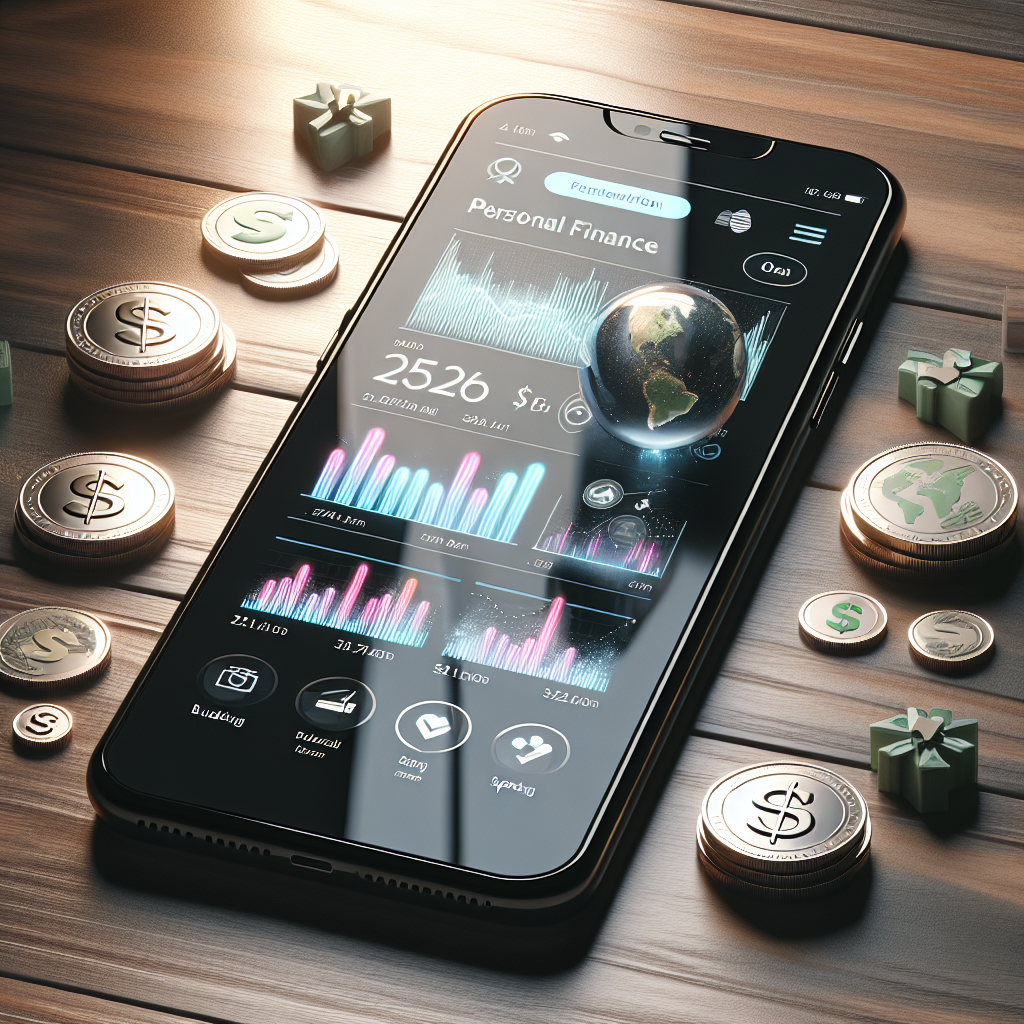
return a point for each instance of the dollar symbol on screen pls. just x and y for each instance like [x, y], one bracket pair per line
[262, 222]
[523, 392]
[100, 504]
[144, 330]
[780, 816]
[846, 622]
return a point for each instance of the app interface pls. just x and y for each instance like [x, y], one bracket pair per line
[442, 617]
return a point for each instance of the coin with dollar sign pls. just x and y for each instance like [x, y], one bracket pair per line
[952, 642]
[95, 509]
[43, 728]
[842, 622]
[262, 231]
[42, 648]
[311, 275]
[783, 830]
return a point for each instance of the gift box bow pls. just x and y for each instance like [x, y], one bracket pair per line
[957, 369]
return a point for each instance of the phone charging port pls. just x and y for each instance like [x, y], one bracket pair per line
[311, 862]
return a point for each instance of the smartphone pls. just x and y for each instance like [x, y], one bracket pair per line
[442, 640]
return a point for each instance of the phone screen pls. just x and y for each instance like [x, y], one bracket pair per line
[444, 613]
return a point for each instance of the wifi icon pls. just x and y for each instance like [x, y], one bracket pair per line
[560, 136]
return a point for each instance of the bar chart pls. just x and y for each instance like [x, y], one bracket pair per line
[373, 481]
[384, 610]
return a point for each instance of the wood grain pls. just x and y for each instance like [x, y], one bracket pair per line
[210, 454]
[992, 27]
[202, 93]
[73, 228]
[672, 948]
[25, 1003]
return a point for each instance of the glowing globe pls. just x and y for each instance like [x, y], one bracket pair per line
[663, 366]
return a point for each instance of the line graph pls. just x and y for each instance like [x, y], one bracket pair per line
[373, 482]
[390, 614]
[541, 304]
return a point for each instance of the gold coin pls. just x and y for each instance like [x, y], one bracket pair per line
[263, 231]
[43, 728]
[48, 647]
[933, 500]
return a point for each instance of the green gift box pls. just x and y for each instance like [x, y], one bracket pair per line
[341, 122]
[958, 392]
[923, 755]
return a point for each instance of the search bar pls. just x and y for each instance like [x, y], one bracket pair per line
[623, 197]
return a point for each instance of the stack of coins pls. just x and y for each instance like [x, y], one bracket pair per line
[96, 510]
[929, 508]
[783, 831]
[278, 243]
[148, 346]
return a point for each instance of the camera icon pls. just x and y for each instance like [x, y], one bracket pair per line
[241, 680]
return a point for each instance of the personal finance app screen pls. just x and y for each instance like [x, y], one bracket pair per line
[438, 624]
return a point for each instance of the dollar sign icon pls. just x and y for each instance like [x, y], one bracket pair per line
[100, 505]
[51, 645]
[144, 330]
[523, 392]
[779, 817]
[262, 222]
[846, 622]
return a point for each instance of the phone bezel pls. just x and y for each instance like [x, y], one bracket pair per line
[579, 876]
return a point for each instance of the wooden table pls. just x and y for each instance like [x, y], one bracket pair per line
[123, 122]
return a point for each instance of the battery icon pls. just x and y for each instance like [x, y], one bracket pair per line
[855, 199]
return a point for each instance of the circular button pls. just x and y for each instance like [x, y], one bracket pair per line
[336, 703]
[531, 749]
[433, 727]
[237, 679]
[775, 269]
[603, 493]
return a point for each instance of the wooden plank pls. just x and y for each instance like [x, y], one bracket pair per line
[774, 690]
[25, 1003]
[210, 454]
[73, 228]
[226, 941]
[991, 27]
[201, 103]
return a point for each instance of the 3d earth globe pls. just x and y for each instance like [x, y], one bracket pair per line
[663, 366]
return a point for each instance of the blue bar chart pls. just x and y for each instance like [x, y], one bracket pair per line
[372, 481]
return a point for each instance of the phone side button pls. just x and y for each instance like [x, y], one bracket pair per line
[826, 394]
[334, 337]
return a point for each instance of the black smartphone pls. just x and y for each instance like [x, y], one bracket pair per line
[444, 636]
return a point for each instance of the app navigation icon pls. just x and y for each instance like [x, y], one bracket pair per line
[336, 703]
[504, 170]
[433, 727]
[809, 234]
[531, 749]
[235, 679]
[603, 493]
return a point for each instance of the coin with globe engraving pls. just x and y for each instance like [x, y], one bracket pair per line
[313, 273]
[43, 728]
[141, 330]
[953, 642]
[263, 231]
[783, 818]
[95, 504]
[934, 500]
[50, 647]
[842, 622]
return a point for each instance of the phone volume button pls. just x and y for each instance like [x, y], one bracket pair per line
[826, 394]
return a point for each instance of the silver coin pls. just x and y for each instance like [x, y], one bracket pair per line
[141, 329]
[953, 642]
[263, 231]
[92, 562]
[934, 500]
[313, 273]
[44, 647]
[43, 727]
[211, 383]
[783, 817]
[842, 622]
[96, 503]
